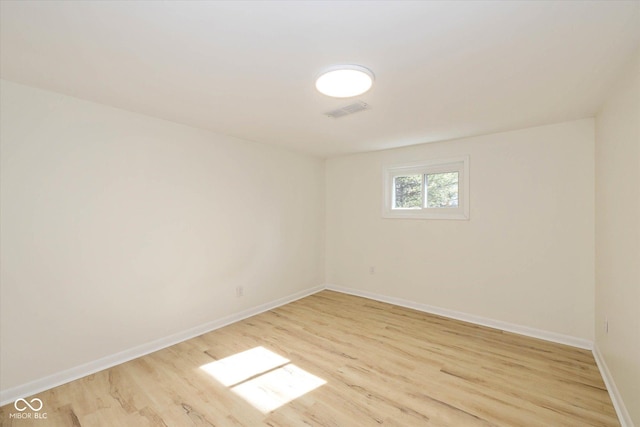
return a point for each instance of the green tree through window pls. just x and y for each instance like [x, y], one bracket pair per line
[427, 189]
[408, 191]
[442, 190]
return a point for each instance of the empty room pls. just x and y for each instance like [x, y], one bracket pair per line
[319, 213]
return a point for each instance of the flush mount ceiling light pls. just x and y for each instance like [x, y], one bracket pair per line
[344, 81]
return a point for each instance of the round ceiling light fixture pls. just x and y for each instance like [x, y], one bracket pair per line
[345, 81]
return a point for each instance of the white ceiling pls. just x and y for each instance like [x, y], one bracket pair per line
[443, 69]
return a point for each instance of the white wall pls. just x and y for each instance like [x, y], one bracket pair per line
[618, 235]
[119, 229]
[525, 257]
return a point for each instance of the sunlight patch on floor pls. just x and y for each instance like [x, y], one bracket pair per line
[242, 366]
[263, 378]
[278, 387]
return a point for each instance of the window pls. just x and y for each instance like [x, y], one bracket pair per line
[436, 189]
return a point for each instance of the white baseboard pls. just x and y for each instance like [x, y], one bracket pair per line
[616, 398]
[42, 384]
[478, 320]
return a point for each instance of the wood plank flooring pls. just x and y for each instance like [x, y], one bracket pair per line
[353, 362]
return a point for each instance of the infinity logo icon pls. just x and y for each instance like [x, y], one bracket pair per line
[28, 404]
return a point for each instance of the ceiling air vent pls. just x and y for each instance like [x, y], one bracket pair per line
[349, 109]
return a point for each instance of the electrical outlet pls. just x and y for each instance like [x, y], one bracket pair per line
[606, 325]
[239, 291]
[372, 270]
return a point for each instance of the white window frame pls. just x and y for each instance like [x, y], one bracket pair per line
[453, 164]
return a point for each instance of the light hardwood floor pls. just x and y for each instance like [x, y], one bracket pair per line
[361, 363]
